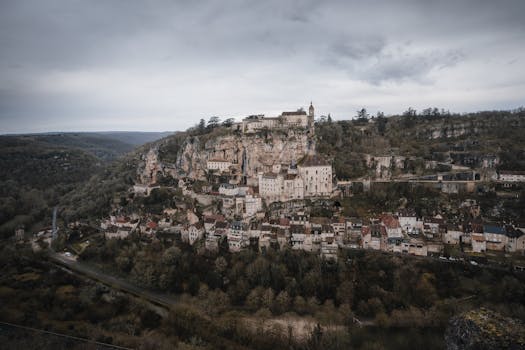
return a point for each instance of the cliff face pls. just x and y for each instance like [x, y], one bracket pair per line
[457, 127]
[255, 152]
[484, 329]
[149, 167]
[258, 152]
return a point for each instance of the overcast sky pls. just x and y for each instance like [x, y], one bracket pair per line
[87, 65]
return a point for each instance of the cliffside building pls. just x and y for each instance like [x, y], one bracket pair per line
[218, 164]
[311, 178]
[316, 173]
[295, 119]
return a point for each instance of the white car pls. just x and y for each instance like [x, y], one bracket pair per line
[68, 254]
[472, 262]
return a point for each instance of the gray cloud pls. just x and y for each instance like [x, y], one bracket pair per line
[72, 64]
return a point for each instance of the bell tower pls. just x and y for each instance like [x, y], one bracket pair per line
[311, 113]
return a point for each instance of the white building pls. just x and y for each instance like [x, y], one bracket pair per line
[317, 176]
[293, 187]
[228, 190]
[252, 205]
[453, 235]
[295, 119]
[192, 233]
[270, 186]
[409, 222]
[495, 237]
[218, 164]
[479, 245]
[237, 236]
[512, 176]
[515, 241]
[256, 123]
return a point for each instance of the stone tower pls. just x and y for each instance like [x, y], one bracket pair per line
[311, 118]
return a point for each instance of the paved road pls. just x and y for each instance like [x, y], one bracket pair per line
[111, 281]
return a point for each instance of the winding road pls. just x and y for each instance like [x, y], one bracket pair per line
[112, 281]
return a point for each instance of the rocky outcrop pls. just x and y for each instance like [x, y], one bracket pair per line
[248, 153]
[457, 127]
[482, 329]
[257, 152]
[149, 168]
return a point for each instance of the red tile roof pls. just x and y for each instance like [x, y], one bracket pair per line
[152, 224]
[390, 221]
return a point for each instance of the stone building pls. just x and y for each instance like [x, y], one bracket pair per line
[316, 173]
[294, 119]
[218, 164]
[311, 178]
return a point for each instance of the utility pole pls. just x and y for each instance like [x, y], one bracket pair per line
[54, 232]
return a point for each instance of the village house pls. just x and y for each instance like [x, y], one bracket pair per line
[352, 237]
[117, 232]
[298, 237]
[409, 221]
[398, 245]
[252, 204]
[515, 240]
[209, 224]
[434, 227]
[511, 176]
[495, 237]
[300, 218]
[339, 226]
[434, 246]
[392, 226]
[417, 247]
[329, 248]
[238, 236]
[267, 237]
[216, 233]
[226, 189]
[191, 233]
[212, 242]
[374, 237]
[478, 242]
[453, 234]
[149, 227]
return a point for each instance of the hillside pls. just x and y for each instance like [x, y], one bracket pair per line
[463, 140]
[33, 175]
[392, 295]
[49, 166]
[37, 170]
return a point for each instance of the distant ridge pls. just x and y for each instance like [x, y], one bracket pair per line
[134, 138]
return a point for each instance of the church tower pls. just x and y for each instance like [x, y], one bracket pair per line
[311, 126]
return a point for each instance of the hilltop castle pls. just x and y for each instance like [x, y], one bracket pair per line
[296, 119]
